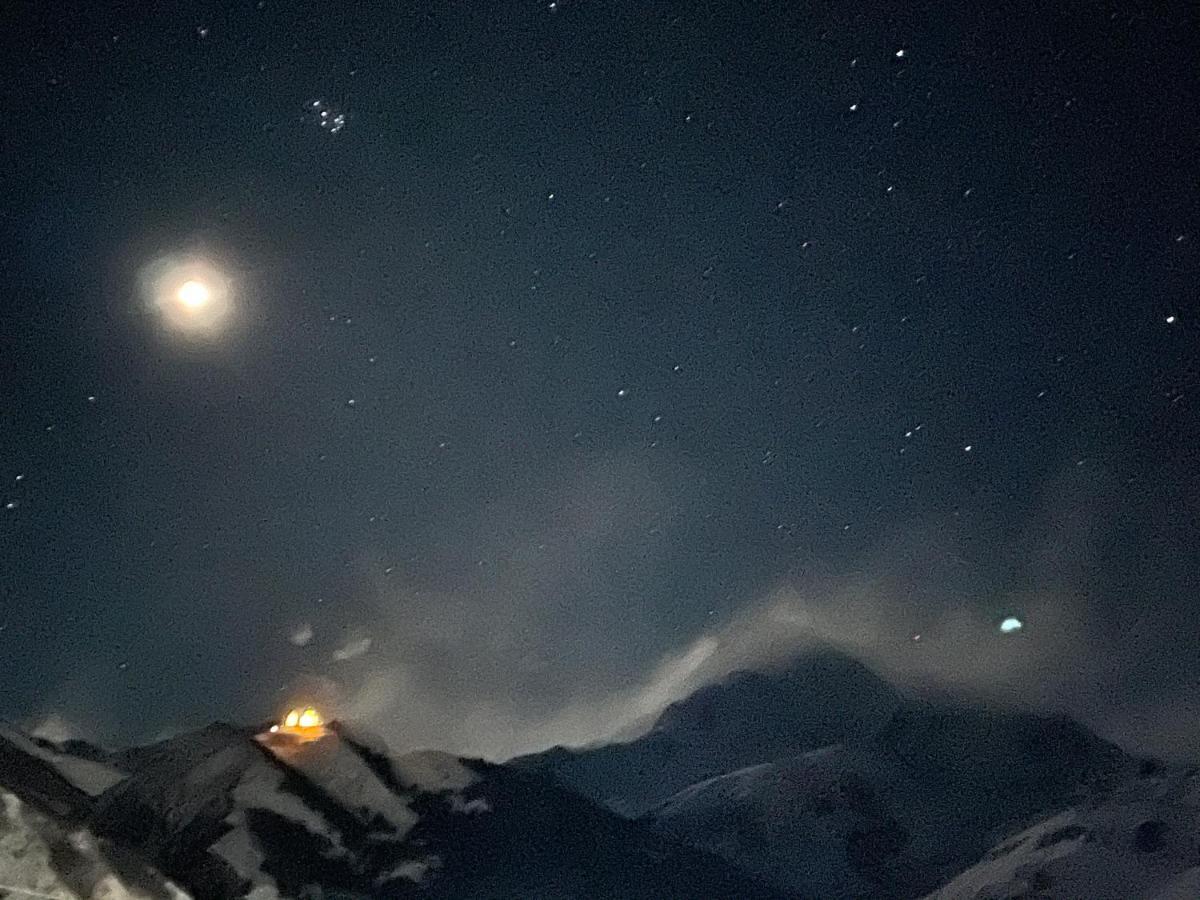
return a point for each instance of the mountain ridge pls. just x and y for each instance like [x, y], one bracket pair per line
[813, 779]
[851, 788]
[226, 812]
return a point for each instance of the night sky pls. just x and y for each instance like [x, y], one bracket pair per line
[570, 354]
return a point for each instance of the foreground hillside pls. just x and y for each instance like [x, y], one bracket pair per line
[224, 814]
[1138, 842]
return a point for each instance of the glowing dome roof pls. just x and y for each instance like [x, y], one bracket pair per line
[303, 722]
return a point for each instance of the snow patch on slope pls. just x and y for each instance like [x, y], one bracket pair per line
[339, 770]
[91, 777]
[809, 823]
[431, 770]
[261, 787]
[34, 849]
[1139, 842]
[238, 848]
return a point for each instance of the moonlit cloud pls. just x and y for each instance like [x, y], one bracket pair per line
[352, 649]
[480, 669]
[301, 635]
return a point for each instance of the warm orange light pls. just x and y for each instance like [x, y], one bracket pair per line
[303, 722]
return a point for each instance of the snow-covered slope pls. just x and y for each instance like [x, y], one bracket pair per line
[1140, 841]
[833, 823]
[90, 776]
[225, 812]
[898, 815]
[821, 698]
[43, 857]
[911, 792]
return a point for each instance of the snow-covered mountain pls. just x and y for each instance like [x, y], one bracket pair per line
[825, 781]
[820, 699]
[815, 780]
[65, 779]
[824, 824]
[228, 812]
[46, 848]
[898, 814]
[41, 857]
[1140, 841]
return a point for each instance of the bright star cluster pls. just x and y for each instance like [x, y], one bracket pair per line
[327, 116]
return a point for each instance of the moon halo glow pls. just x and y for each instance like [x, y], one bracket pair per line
[191, 295]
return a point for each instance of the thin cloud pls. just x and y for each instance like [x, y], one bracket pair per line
[352, 650]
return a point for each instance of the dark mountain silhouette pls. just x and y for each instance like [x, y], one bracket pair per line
[824, 780]
[821, 698]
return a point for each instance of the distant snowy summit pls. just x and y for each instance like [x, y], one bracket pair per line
[825, 781]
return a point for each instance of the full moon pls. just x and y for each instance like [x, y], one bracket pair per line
[191, 295]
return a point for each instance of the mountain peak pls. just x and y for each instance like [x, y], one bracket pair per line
[815, 691]
[818, 698]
